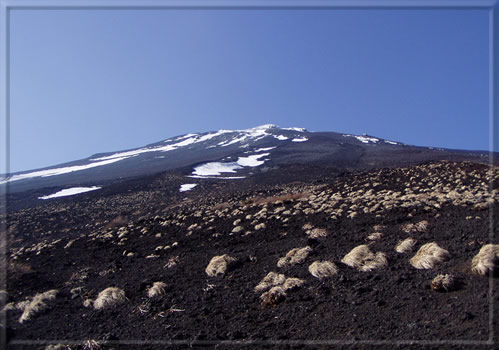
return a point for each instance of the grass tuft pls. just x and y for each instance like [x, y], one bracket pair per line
[363, 259]
[487, 260]
[323, 269]
[109, 297]
[294, 256]
[218, 265]
[428, 256]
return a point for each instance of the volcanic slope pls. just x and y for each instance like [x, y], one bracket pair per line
[233, 153]
[202, 253]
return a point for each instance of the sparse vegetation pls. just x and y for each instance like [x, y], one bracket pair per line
[172, 238]
[363, 259]
[273, 296]
[292, 283]
[428, 256]
[157, 289]
[272, 279]
[37, 304]
[487, 260]
[109, 297]
[294, 256]
[323, 269]
[317, 233]
[444, 283]
[405, 246]
[374, 236]
[218, 265]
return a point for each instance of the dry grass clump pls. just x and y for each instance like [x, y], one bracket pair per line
[444, 283]
[363, 259]
[420, 226]
[294, 256]
[109, 297]
[157, 289]
[405, 246]
[429, 255]
[218, 265]
[37, 304]
[271, 280]
[323, 269]
[317, 233]
[292, 283]
[274, 279]
[374, 236]
[486, 260]
[273, 297]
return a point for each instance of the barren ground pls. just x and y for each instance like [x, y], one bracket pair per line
[143, 231]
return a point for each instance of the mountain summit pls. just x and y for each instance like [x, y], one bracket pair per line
[234, 154]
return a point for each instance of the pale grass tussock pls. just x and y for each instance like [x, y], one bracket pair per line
[37, 305]
[486, 260]
[317, 233]
[428, 256]
[272, 279]
[294, 256]
[363, 259]
[157, 289]
[374, 236]
[273, 297]
[292, 283]
[323, 269]
[444, 283]
[405, 246]
[420, 226]
[109, 297]
[218, 265]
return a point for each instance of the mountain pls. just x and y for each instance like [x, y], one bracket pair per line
[267, 237]
[233, 154]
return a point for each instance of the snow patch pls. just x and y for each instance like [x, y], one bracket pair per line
[280, 137]
[391, 142]
[70, 192]
[215, 168]
[364, 139]
[183, 137]
[253, 160]
[187, 187]
[302, 139]
[215, 177]
[295, 129]
[59, 171]
[264, 149]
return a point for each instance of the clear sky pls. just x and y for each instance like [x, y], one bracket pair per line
[89, 81]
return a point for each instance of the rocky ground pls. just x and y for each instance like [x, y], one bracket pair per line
[145, 231]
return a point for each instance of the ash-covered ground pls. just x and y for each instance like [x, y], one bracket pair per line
[143, 231]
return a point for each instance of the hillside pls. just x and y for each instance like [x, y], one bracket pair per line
[134, 233]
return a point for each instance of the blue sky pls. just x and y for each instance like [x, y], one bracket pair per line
[89, 81]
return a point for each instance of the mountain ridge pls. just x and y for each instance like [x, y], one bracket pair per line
[285, 146]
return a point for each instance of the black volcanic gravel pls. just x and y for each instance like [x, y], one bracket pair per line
[352, 310]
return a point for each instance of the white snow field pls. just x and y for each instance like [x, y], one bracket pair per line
[59, 171]
[70, 192]
[253, 160]
[215, 168]
[239, 136]
[187, 187]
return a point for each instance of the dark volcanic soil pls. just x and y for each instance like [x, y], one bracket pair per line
[138, 233]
